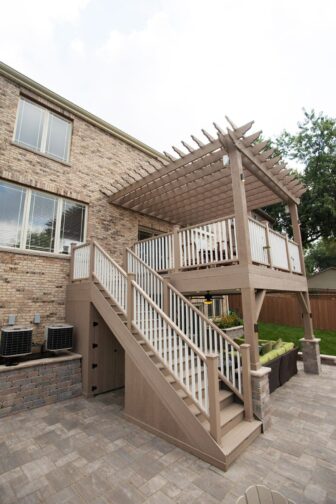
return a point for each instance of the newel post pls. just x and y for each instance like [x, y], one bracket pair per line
[176, 248]
[213, 388]
[268, 246]
[247, 388]
[125, 260]
[130, 300]
[92, 260]
[72, 260]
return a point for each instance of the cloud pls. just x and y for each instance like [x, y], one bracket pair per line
[162, 69]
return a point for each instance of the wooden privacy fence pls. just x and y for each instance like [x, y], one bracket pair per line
[284, 308]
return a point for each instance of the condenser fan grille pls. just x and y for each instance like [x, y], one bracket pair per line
[14, 343]
[59, 338]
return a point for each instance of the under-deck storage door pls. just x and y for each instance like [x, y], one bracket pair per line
[108, 359]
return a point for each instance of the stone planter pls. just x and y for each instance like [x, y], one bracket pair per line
[235, 332]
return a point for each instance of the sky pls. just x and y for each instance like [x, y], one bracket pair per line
[163, 69]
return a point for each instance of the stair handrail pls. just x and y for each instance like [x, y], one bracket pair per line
[224, 363]
[116, 285]
[166, 343]
[158, 278]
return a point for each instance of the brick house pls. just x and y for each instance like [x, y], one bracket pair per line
[34, 276]
[75, 196]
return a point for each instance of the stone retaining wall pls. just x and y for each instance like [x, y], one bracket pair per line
[39, 382]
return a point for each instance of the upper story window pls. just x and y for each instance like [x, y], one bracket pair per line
[41, 130]
[36, 220]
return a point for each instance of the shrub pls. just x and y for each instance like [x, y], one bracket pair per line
[229, 320]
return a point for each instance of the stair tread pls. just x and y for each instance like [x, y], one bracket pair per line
[238, 434]
[224, 394]
[230, 412]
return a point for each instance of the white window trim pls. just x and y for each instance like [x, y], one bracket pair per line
[59, 210]
[45, 127]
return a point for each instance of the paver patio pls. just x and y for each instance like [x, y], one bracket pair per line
[83, 451]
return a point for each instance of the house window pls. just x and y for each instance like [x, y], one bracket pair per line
[12, 202]
[43, 131]
[145, 233]
[36, 220]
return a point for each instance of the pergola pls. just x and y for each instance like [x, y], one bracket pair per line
[197, 186]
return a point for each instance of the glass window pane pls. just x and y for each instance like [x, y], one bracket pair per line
[58, 137]
[12, 199]
[42, 222]
[72, 225]
[29, 124]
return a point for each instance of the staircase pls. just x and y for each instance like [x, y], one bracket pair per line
[196, 377]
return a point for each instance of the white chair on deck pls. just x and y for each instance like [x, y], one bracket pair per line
[259, 494]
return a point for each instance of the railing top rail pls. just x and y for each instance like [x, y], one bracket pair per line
[292, 241]
[153, 238]
[205, 319]
[194, 226]
[152, 271]
[165, 317]
[110, 258]
[206, 223]
[261, 224]
[81, 245]
[282, 235]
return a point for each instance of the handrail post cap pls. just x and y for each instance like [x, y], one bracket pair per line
[212, 355]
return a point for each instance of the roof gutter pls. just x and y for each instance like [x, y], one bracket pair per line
[34, 86]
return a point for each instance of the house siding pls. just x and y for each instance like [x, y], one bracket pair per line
[98, 162]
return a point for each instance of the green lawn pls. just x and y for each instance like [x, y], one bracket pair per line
[275, 331]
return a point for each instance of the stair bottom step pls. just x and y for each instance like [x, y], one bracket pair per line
[239, 438]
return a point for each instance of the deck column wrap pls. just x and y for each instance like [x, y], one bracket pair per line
[213, 384]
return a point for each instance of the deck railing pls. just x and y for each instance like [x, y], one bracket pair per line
[210, 243]
[194, 349]
[273, 249]
[186, 361]
[201, 331]
[215, 243]
[157, 252]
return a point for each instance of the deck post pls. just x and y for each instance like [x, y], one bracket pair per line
[125, 260]
[130, 300]
[297, 233]
[268, 245]
[250, 326]
[213, 386]
[176, 248]
[247, 388]
[72, 260]
[310, 345]
[240, 206]
[244, 249]
[92, 260]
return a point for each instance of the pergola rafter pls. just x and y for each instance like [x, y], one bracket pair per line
[196, 186]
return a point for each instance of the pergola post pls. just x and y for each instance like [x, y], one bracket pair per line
[244, 250]
[240, 206]
[309, 344]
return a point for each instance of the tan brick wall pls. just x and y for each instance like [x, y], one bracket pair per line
[30, 284]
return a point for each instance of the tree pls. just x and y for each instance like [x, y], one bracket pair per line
[321, 256]
[313, 146]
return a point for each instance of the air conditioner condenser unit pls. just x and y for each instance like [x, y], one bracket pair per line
[58, 337]
[15, 341]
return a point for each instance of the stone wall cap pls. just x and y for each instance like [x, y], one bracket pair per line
[67, 356]
[312, 340]
[259, 373]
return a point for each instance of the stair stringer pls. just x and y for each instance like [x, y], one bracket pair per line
[169, 418]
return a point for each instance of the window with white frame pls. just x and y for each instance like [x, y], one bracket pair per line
[43, 131]
[36, 220]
